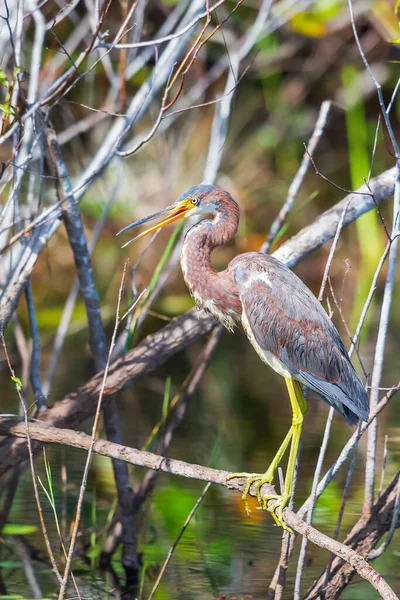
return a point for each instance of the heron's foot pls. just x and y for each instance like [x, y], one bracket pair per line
[276, 509]
[259, 480]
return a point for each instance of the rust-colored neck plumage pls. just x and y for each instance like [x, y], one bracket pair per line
[214, 291]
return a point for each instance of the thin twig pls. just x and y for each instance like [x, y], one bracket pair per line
[31, 461]
[150, 134]
[380, 349]
[376, 83]
[299, 177]
[342, 506]
[368, 301]
[222, 113]
[384, 462]
[332, 252]
[348, 448]
[81, 58]
[176, 542]
[91, 447]
[328, 425]
[25, 555]
[166, 38]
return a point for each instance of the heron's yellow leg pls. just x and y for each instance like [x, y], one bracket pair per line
[260, 479]
[299, 410]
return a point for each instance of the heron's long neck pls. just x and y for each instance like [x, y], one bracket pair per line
[214, 291]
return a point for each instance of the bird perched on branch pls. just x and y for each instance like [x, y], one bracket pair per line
[283, 320]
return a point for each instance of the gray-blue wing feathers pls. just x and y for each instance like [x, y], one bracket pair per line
[287, 320]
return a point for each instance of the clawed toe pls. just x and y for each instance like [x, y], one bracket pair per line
[276, 509]
[259, 480]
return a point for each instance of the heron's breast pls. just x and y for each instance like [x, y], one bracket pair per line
[225, 315]
[214, 292]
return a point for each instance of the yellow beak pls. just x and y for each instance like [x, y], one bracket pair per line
[172, 213]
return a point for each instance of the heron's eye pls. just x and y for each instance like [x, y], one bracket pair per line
[195, 201]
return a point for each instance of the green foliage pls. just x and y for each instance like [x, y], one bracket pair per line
[49, 491]
[328, 505]
[314, 21]
[49, 316]
[18, 529]
[6, 108]
[3, 78]
[368, 226]
[17, 381]
[166, 397]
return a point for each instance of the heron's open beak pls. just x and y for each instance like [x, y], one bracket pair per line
[172, 213]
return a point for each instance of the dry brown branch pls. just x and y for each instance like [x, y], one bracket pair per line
[363, 537]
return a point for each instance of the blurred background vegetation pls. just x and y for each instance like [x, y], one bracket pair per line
[240, 412]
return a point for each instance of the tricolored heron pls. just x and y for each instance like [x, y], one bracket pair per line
[283, 320]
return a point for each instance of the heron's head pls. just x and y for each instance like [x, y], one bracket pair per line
[199, 199]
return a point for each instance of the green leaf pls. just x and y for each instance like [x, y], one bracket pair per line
[7, 110]
[18, 529]
[3, 78]
[17, 382]
[166, 397]
[314, 22]
[10, 564]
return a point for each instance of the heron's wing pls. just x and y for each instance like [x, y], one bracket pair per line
[282, 317]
